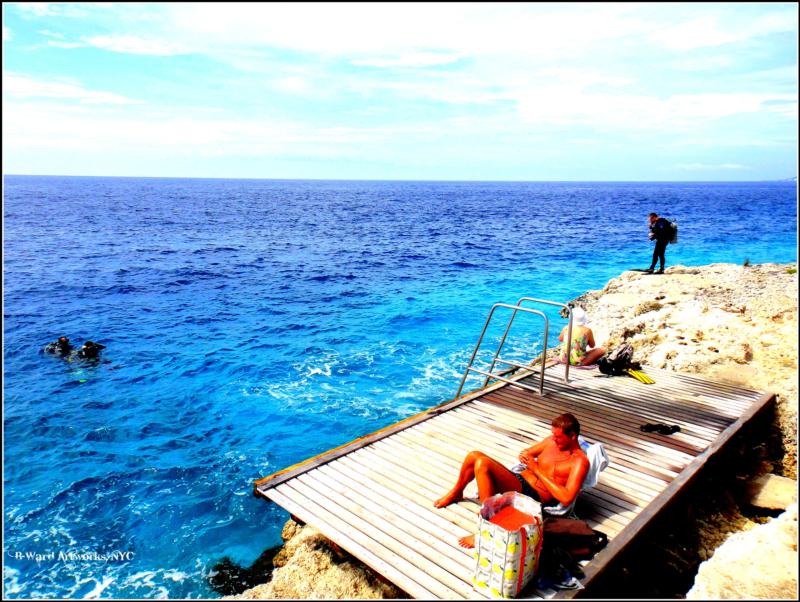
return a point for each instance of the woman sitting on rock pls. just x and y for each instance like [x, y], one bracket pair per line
[582, 350]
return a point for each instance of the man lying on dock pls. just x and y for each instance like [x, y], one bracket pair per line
[555, 470]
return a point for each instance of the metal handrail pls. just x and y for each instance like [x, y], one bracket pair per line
[489, 374]
[511, 320]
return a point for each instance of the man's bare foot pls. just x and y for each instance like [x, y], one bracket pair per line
[449, 498]
[468, 541]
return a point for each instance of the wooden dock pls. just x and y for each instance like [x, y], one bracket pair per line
[374, 496]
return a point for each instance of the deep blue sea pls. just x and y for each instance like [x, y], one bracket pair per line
[250, 324]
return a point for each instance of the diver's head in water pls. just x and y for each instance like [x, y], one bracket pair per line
[61, 346]
[90, 350]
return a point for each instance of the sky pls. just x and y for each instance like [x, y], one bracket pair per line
[402, 91]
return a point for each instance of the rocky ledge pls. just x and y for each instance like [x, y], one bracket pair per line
[730, 323]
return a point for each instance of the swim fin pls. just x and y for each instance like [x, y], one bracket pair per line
[640, 376]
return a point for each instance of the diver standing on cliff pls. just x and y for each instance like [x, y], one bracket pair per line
[661, 232]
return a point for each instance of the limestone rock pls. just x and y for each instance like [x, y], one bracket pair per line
[723, 321]
[290, 529]
[772, 491]
[759, 564]
[311, 568]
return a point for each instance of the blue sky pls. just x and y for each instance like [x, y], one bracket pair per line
[520, 91]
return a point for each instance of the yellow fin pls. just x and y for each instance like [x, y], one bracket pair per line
[640, 376]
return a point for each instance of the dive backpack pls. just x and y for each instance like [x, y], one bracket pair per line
[674, 226]
[616, 362]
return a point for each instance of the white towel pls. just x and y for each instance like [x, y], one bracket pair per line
[598, 461]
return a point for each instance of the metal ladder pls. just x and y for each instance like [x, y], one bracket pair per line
[516, 308]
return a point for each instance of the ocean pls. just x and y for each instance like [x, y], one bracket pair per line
[251, 324]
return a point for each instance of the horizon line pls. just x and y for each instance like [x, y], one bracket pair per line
[787, 180]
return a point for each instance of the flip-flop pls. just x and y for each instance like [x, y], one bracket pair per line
[660, 428]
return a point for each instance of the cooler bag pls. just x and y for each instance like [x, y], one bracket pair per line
[505, 561]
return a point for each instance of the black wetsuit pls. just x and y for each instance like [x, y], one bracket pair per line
[59, 348]
[662, 232]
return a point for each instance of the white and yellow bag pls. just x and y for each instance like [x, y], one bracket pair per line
[505, 561]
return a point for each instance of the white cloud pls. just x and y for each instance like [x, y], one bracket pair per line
[413, 59]
[22, 86]
[565, 105]
[51, 34]
[703, 63]
[293, 84]
[52, 125]
[65, 44]
[386, 32]
[136, 45]
[707, 167]
[786, 108]
[57, 9]
[708, 30]
[38, 9]
[6, 34]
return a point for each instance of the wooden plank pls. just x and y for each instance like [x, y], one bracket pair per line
[507, 453]
[601, 560]
[646, 409]
[635, 438]
[415, 546]
[613, 525]
[619, 412]
[536, 434]
[402, 517]
[616, 409]
[676, 389]
[700, 381]
[422, 492]
[620, 454]
[357, 544]
[409, 561]
[670, 378]
[695, 391]
[414, 507]
[631, 482]
[635, 486]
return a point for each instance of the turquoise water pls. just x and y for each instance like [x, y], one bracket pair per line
[250, 324]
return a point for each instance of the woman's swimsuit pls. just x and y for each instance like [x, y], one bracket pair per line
[577, 351]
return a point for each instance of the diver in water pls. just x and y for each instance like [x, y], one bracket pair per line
[60, 347]
[64, 349]
[90, 350]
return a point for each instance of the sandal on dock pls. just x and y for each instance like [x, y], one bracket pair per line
[660, 428]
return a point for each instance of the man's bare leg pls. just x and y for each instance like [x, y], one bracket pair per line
[465, 475]
[491, 476]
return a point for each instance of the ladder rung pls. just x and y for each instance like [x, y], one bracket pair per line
[511, 382]
[523, 366]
